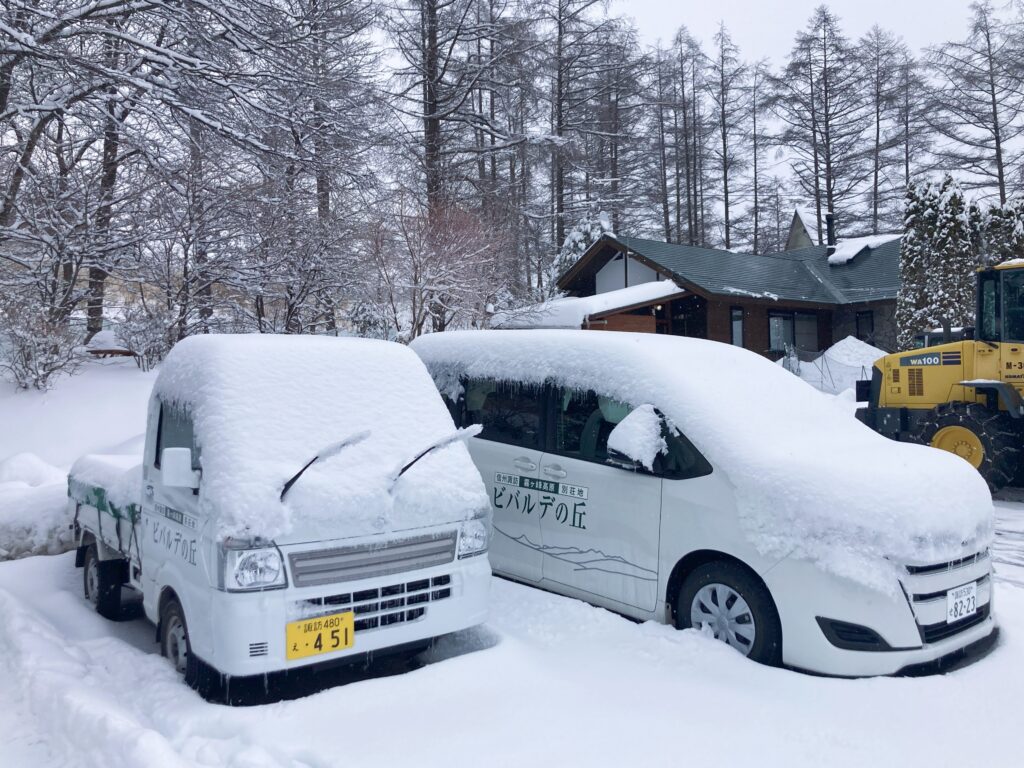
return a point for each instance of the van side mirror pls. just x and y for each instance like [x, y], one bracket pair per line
[638, 439]
[176, 468]
[622, 461]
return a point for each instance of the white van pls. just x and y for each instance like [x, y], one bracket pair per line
[694, 483]
[299, 501]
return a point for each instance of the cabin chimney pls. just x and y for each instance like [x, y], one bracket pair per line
[830, 232]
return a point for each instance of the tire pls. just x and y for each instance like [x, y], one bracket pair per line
[995, 432]
[101, 583]
[174, 642]
[753, 630]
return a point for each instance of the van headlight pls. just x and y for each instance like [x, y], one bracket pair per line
[250, 569]
[473, 536]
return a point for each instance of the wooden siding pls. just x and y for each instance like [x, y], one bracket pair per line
[635, 323]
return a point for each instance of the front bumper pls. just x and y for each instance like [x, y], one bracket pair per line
[247, 632]
[911, 623]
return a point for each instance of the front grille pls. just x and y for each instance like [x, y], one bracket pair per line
[258, 649]
[941, 594]
[915, 382]
[329, 566]
[933, 633]
[963, 562]
[373, 612]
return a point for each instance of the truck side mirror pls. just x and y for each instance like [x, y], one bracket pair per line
[176, 468]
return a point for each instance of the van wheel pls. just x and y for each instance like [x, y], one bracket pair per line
[728, 601]
[174, 643]
[101, 583]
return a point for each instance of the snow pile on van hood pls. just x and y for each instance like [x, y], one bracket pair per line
[839, 367]
[810, 481]
[263, 406]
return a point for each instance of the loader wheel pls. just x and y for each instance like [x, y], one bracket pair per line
[988, 440]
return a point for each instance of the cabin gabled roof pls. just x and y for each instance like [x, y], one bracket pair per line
[804, 275]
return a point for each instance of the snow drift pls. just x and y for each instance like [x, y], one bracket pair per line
[810, 481]
[839, 367]
[263, 406]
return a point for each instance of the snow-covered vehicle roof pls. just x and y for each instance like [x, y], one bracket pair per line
[810, 480]
[262, 406]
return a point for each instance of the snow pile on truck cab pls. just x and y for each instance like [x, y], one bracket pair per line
[263, 406]
[810, 481]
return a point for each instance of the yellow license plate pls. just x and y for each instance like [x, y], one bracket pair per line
[324, 634]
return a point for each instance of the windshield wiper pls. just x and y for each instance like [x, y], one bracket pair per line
[456, 436]
[326, 453]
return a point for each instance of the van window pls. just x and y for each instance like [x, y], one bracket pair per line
[583, 421]
[174, 430]
[509, 413]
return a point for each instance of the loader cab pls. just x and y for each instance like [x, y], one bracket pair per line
[1001, 304]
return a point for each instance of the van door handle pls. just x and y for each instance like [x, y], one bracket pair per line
[524, 464]
[555, 471]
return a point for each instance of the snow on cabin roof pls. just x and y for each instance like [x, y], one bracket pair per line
[847, 249]
[572, 312]
[802, 275]
[807, 476]
[264, 405]
[809, 220]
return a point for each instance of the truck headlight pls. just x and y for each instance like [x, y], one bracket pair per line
[248, 569]
[473, 537]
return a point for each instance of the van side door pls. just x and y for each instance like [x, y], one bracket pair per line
[600, 524]
[507, 452]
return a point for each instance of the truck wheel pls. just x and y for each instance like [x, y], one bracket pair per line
[730, 602]
[101, 582]
[174, 643]
[988, 440]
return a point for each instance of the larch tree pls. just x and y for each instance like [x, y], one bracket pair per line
[978, 105]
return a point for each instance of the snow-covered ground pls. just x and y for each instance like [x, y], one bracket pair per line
[548, 681]
[42, 433]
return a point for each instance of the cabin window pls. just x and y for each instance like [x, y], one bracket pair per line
[792, 330]
[736, 318]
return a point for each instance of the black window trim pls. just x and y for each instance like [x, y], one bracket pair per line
[549, 394]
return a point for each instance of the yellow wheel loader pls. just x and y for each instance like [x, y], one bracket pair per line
[963, 397]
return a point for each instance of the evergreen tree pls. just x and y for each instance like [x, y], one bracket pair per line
[938, 256]
[587, 231]
[950, 278]
[914, 253]
[1003, 232]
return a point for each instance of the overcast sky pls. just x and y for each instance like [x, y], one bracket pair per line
[765, 28]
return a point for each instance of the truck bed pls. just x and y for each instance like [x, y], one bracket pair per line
[107, 490]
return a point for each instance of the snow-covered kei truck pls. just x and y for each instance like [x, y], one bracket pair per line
[299, 501]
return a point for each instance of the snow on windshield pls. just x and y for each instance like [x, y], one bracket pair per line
[263, 406]
[809, 479]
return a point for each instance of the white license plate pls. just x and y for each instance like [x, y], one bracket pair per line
[961, 602]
